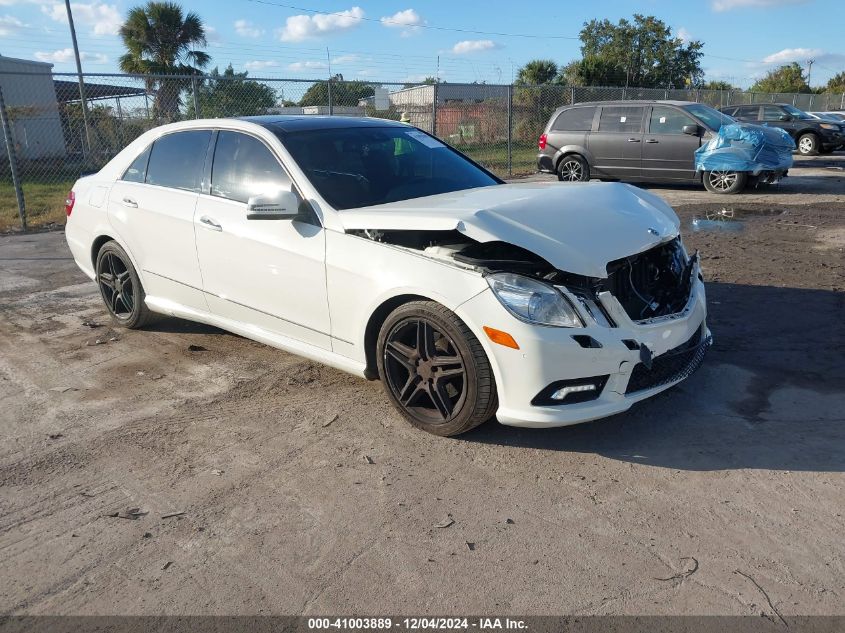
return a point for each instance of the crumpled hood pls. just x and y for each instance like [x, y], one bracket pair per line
[576, 227]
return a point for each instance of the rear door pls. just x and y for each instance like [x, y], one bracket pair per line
[616, 146]
[668, 153]
[152, 209]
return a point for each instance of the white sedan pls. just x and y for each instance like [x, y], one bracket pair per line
[373, 247]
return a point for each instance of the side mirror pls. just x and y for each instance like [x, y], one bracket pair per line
[785, 117]
[281, 206]
[692, 130]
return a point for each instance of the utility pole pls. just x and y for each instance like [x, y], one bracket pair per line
[810, 63]
[79, 74]
[329, 60]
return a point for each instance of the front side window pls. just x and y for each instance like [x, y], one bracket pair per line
[711, 117]
[176, 160]
[621, 119]
[363, 166]
[244, 167]
[575, 120]
[668, 121]
[772, 113]
[137, 171]
[796, 113]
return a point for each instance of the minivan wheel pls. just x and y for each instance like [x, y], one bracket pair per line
[573, 168]
[121, 288]
[434, 370]
[725, 181]
[808, 144]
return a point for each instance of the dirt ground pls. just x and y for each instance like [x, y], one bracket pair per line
[303, 492]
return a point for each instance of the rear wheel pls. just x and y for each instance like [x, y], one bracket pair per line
[120, 287]
[434, 370]
[725, 181]
[808, 145]
[573, 168]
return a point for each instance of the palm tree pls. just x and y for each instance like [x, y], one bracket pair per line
[160, 40]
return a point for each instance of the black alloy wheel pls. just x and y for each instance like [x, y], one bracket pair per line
[434, 370]
[120, 287]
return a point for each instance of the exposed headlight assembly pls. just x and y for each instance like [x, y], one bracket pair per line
[533, 301]
[830, 126]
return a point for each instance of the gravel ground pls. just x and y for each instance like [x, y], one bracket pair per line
[301, 491]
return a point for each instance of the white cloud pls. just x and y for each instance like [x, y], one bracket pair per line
[304, 27]
[684, 35]
[345, 59]
[473, 46]
[729, 5]
[65, 55]
[402, 19]
[260, 65]
[793, 55]
[245, 28]
[104, 18]
[309, 65]
[212, 35]
[10, 25]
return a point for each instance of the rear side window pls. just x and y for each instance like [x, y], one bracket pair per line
[176, 160]
[245, 167]
[621, 119]
[668, 121]
[748, 112]
[137, 171]
[575, 120]
[729, 111]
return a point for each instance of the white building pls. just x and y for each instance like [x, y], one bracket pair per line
[32, 107]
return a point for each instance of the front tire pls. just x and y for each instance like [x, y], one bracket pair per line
[434, 370]
[726, 182]
[120, 287]
[808, 144]
[573, 168]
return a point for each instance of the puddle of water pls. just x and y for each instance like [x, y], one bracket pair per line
[729, 218]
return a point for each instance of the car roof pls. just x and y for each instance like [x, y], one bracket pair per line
[308, 122]
[633, 102]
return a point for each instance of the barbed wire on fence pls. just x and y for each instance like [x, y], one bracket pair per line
[496, 125]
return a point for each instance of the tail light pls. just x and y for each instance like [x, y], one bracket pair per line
[542, 142]
[69, 202]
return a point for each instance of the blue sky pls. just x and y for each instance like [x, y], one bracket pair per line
[401, 41]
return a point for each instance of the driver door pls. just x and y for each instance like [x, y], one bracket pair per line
[266, 272]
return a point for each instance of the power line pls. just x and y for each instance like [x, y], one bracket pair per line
[416, 26]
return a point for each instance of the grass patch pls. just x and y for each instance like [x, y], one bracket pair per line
[44, 200]
[494, 156]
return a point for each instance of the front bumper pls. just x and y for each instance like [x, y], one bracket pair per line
[676, 346]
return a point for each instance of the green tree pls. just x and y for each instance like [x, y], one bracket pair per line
[537, 72]
[787, 78]
[643, 53]
[161, 39]
[231, 94]
[718, 85]
[344, 93]
[836, 83]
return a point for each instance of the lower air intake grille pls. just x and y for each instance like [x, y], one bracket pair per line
[674, 365]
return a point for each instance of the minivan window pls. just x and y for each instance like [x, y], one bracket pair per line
[666, 120]
[244, 167]
[137, 171]
[621, 119]
[575, 120]
[177, 159]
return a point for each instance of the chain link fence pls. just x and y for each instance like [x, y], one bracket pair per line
[49, 139]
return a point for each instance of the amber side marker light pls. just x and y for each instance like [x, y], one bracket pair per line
[502, 338]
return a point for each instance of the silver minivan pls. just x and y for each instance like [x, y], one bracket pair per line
[653, 141]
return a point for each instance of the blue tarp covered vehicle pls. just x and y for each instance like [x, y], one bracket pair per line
[753, 150]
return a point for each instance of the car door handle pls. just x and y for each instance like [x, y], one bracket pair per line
[129, 202]
[652, 140]
[633, 140]
[208, 223]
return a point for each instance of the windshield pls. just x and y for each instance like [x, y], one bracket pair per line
[710, 117]
[362, 166]
[798, 114]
